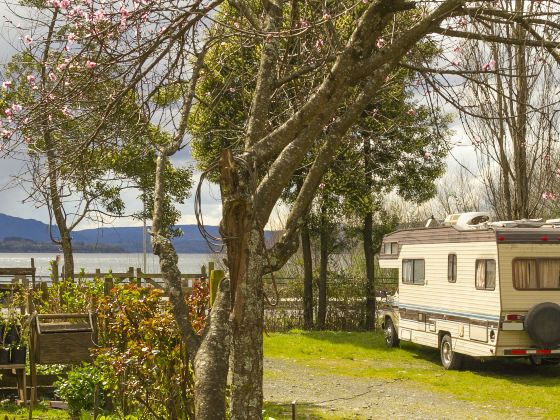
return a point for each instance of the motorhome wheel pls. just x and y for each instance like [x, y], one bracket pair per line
[542, 323]
[391, 338]
[449, 359]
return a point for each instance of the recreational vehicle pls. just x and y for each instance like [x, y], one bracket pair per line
[471, 287]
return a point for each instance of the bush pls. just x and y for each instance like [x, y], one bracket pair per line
[81, 387]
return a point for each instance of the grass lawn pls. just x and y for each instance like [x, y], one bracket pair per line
[501, 383]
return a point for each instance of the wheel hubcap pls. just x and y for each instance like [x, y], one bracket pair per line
[446, 352]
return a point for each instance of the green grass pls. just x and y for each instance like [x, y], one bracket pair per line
[13, 412]
[501, 383]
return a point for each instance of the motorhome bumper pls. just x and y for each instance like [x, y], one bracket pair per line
[530, 352]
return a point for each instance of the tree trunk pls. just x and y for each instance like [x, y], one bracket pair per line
[369, 252]
[211, 361]
[246, 259]
[370, 271]
[307, 278]
[55, 203]
[323, 267]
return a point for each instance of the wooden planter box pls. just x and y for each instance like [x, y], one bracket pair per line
[66, 340]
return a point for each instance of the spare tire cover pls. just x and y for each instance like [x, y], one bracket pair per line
[542, 323]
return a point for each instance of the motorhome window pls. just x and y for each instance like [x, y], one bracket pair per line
[536, 273]
[391, 248]
[452, 268]
[485, 276]
[413, 271]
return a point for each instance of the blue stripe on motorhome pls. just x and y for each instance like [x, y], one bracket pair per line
[444, 312]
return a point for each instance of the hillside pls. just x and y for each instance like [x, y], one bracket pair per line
[122, 239]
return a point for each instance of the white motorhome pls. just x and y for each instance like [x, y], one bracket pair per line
[470, 287]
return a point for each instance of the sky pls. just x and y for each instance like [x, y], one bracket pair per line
[13, 197]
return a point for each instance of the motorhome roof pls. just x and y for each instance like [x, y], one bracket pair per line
[451, 234]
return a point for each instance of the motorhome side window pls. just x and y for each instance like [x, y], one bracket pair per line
[485, 274]
[452, 268]
[391, 248]
[536, 273]
[413, 271]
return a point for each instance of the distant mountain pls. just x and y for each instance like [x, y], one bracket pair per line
[128, 239]
[14, 244]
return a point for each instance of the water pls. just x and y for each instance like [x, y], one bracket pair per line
[118, 263]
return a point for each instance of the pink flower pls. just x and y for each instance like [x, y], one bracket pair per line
[8, 112]
[7, 84]
[319, 44]
[61, 67]
[52, 76]
[489, 66]
[30, 78]
[463, 22]
[66, 111]
[5, 134]
[64, 4]
[456, 62]
[91, 64]
[456, 49]
[412, 112]
[558, 172]
[327, 16]
[237, 25]
[27, 40]
[549, 195]
[17, 108]
[380, 43]
[71, 37]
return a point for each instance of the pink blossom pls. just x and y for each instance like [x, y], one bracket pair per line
[54, 3]
[5, 134]
[237, 25]
[17, 108]
[558, 172]
[327, 16]
[66, 111]
[319, 44]
[30, 78]
[7, 84]
[27, 40]
[64, 4]
[456, 49]
[8, 112]
[61, 67]
[91, 64]
[412, 112]
[52, 76]
[489, 66]
[549, 195]
[380, 43]
[456, 62]
[463, 22]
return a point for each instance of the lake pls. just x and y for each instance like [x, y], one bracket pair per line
[118, 263]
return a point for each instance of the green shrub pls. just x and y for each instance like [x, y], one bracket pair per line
[79, 387]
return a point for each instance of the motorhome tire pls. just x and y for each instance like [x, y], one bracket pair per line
[542, 323]
[391, 338]
[449, 359]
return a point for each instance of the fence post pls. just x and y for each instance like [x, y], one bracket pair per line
[216, 276]
[108, 285]
[98, 273]
[210, 266]
[139, 277]
[54, 271]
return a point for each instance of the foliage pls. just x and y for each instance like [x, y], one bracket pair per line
[141, 349]
[82, 387]
[198, 304]
[68, 296]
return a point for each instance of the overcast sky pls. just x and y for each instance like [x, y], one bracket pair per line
[12, 199]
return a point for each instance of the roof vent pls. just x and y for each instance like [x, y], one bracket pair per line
[468, 221]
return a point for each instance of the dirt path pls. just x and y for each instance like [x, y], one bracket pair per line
[365, 398]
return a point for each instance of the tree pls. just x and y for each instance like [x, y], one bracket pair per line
[162, 50]
[76, 175]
